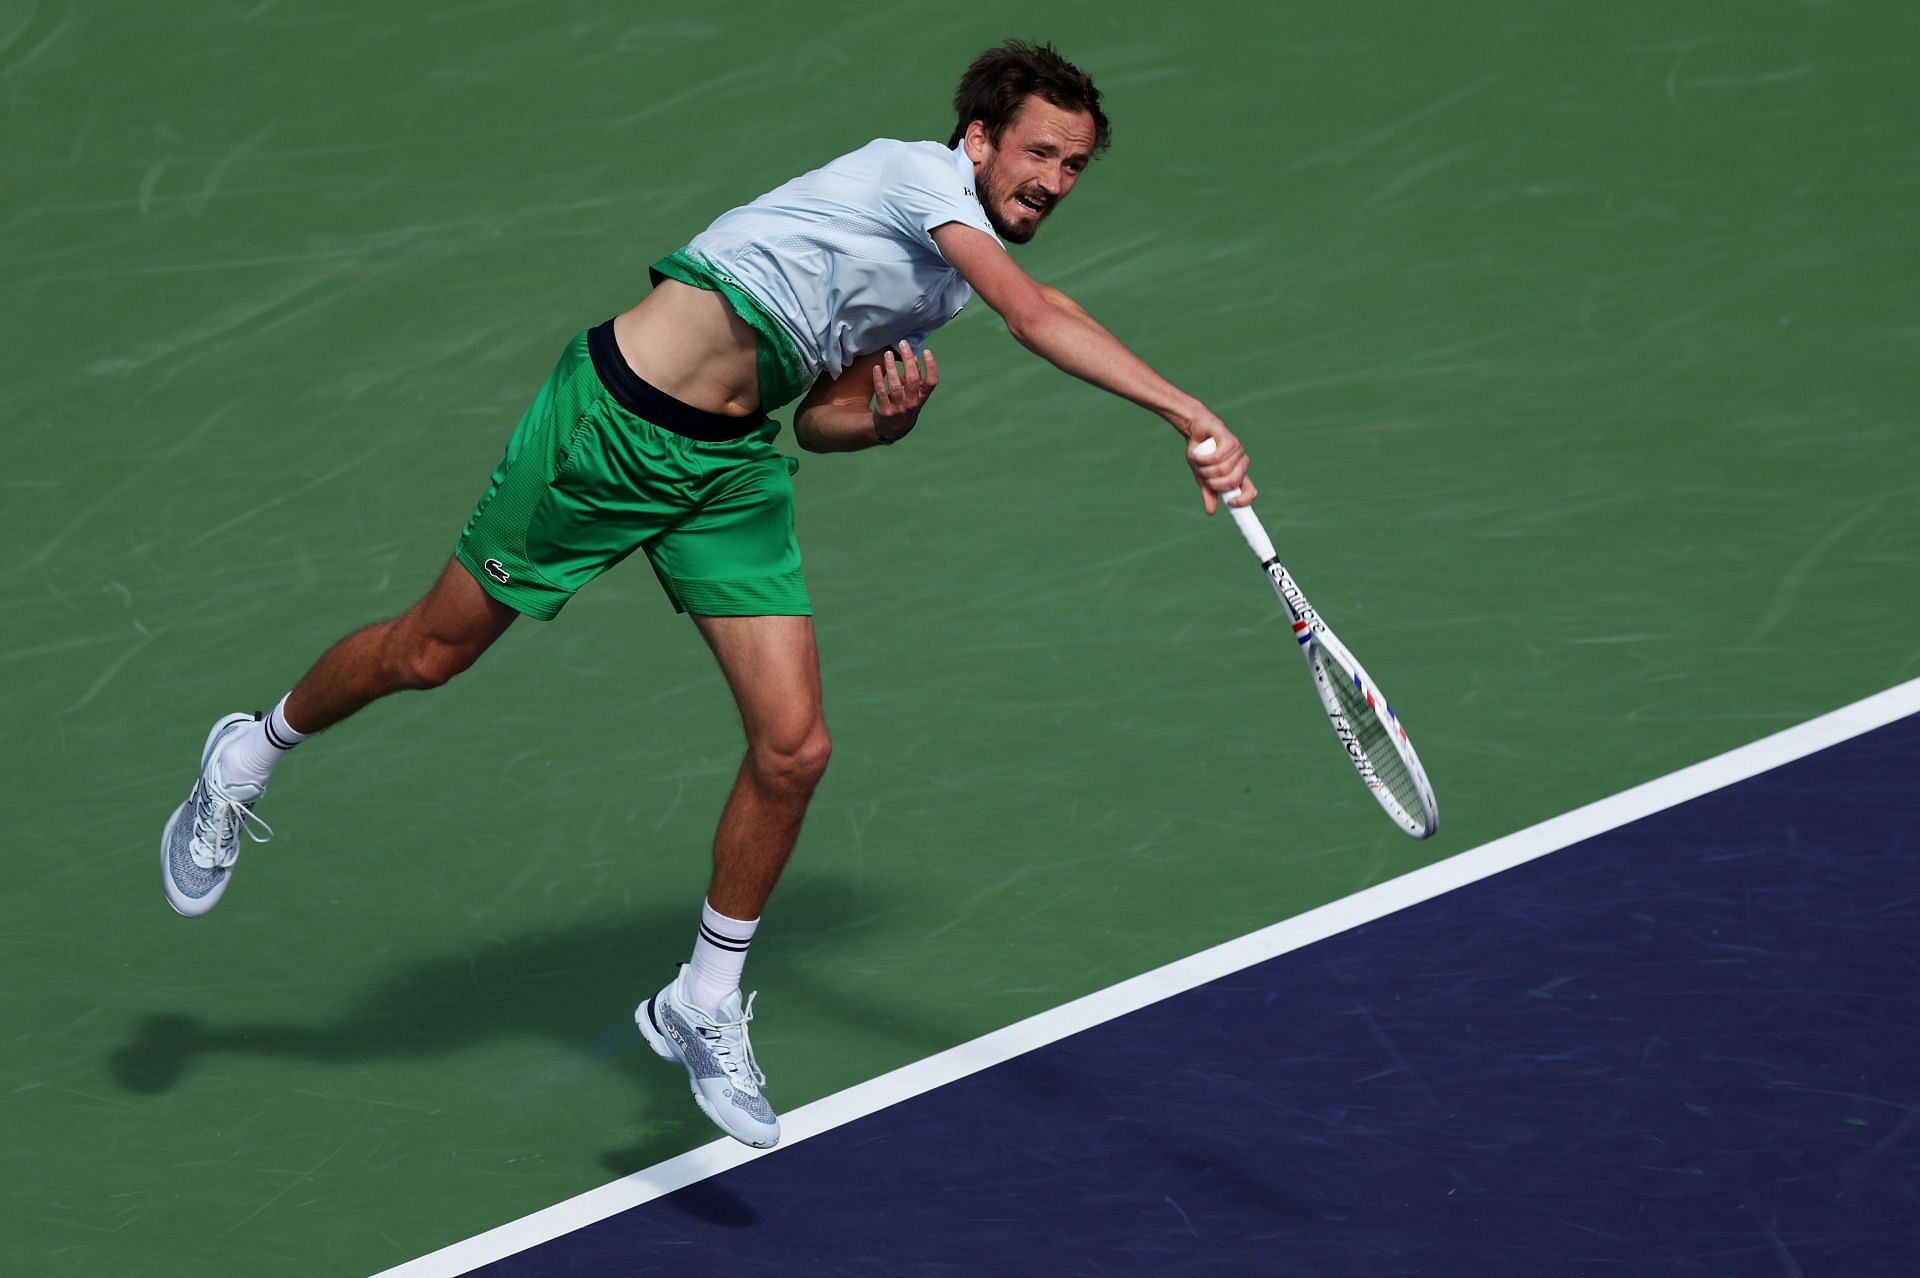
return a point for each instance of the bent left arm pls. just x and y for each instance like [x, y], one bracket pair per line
[877, 400]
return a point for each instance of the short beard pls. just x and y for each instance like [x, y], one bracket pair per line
[1011, 234]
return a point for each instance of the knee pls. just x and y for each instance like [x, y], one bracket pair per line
[424, 661]
[792, 762]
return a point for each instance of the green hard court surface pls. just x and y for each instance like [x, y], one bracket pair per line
[1576, 345]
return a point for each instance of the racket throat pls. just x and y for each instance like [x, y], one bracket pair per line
[1306, 621]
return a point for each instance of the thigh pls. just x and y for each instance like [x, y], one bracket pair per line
[773, 666]
[457, 612]
[736, 553]
[582, 484]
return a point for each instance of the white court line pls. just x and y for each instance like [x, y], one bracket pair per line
[1177, 977]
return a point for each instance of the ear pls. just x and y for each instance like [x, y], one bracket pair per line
[979, 146]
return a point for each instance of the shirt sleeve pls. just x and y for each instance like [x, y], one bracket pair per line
[926, 189]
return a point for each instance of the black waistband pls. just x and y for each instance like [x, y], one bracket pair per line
[640, 398]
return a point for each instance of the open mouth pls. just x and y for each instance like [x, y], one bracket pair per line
[1034, 204]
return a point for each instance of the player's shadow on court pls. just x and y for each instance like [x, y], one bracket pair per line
[576, 985]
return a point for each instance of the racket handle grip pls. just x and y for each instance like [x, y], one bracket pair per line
[1243, 517]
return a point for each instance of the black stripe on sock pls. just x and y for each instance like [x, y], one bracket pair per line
[273, 738]
[713, 938]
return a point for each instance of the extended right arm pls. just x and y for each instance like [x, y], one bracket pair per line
[1060, 331]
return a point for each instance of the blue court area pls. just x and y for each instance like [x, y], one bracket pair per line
[1689, 1046]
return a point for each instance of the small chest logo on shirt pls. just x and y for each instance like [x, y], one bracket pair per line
[497, 571]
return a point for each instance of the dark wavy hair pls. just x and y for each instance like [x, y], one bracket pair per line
[1000, 79]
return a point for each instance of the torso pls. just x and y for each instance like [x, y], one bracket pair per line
[688, 342]
[841, 257]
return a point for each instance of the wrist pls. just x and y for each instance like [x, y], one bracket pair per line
[1186, 415]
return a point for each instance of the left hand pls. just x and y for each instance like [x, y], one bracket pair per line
[899, 390]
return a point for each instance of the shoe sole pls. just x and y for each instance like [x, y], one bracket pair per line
[166, 835]
[657, 1040]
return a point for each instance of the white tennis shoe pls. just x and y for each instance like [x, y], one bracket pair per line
[726, 1080]
[202, 838]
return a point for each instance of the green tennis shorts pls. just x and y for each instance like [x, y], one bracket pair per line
[603, 464]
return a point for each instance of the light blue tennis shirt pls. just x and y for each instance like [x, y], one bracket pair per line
[843, 257]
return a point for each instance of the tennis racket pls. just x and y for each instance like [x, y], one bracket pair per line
[1369, 730]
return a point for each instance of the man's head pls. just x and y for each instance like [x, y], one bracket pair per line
[1031, 121]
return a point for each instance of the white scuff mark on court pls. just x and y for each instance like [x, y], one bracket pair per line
[1184, 1218]
[679, 793]
[301, 1178]
[1795, 577]
[710, 86]
[1673, 77]
[150, 181]
[113, 668]
[26, 24]
[1346, 151]
[1753, 81]
[32, 55]
[238, 318]
[255, 511]
[1414, 174]
[110, 499]
[1177, 977]
[225, 165]
[64, 645]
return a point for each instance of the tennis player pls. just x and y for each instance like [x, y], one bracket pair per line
[652, 434]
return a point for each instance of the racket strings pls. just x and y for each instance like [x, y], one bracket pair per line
[1375, 738]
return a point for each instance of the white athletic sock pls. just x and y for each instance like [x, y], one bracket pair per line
[719, 954]
[251, 756]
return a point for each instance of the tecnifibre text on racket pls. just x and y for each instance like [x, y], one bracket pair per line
[1369, 730]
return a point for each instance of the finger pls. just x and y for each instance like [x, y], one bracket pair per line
[933, 370]
[910, 369]
[1229, 463]
[1247, 493]
[1208, 501]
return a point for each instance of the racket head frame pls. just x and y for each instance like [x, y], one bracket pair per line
[1329, 659]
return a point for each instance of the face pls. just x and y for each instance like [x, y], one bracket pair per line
[1039, 156]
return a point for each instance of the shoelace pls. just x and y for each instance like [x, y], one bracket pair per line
[226, 819]
[713, 1032]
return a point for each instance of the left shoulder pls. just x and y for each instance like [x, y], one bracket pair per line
[920, 163]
